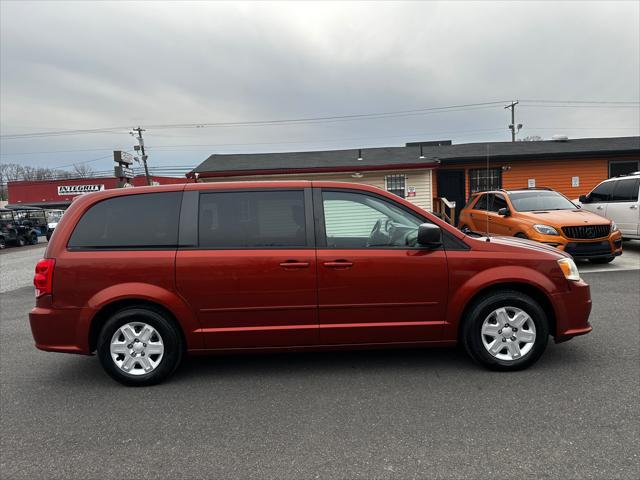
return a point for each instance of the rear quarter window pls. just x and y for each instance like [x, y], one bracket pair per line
[147, 220]
[626, 190]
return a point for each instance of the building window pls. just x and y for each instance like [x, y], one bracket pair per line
[483, 179]
[623, 167]
[396, 184]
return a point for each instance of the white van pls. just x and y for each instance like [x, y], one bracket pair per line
[617, 200]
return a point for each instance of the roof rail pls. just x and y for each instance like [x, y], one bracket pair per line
[627, 174]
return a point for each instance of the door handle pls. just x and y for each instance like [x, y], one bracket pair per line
[294, 264]
[338, 264]
[599, 207]
[634, 207]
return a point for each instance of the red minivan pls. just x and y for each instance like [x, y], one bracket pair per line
[146, 275]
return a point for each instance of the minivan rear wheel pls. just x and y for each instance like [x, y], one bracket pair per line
[505, 330]
[139, 346]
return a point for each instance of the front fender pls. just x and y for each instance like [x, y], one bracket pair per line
[464, 293]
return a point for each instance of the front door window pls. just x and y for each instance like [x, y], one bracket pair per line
[354, 220]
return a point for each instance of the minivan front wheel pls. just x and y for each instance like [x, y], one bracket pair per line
[506, 330]
[139, 347]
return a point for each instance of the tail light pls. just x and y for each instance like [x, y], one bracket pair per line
[43, 278]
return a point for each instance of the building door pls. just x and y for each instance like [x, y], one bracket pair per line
[451, 186]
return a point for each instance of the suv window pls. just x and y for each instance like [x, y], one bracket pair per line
[252, 219]
[498, 202]
[626, 190]
[602, 193]
[481, 204]
[133, 221]
[354, 220]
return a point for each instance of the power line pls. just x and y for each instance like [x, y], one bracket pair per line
[461, 107]
[337, 118]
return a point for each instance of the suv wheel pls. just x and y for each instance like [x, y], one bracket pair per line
[33, 238]
[3, 243]
[507, 330]
[21, 241]
[138, 347]
[602, 260]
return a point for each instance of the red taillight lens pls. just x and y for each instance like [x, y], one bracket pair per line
[43, 279]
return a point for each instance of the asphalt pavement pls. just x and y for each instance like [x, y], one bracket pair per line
[17, 265]
[372, 414]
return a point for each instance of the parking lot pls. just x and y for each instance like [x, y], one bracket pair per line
[373, 414]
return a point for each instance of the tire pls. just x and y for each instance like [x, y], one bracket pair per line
[48, 235]
[482, 314]
[601, 260]
[521, 235]
[33, 238]
[3, 243]
[21, 241]
[165, 342]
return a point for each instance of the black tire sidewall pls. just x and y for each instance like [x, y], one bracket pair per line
[472, 328]
[171, 339]
[601, 261]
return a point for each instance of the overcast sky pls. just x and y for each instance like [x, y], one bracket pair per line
[86, 65]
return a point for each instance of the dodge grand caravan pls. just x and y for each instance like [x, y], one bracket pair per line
[144, 276]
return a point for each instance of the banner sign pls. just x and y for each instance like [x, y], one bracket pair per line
[78, 189]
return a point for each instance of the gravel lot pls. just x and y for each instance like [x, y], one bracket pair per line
[376, 414]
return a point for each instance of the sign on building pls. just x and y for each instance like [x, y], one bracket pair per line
[64, 190]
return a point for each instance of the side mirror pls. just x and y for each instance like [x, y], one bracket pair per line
[429, 235]
[583, 199]
[504, 212]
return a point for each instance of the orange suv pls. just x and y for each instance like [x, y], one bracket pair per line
[546, 216]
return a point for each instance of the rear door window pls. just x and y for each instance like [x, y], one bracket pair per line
[147, 220]
[626, 190]
[251, 219]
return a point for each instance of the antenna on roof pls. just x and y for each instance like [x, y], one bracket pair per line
[488, 198]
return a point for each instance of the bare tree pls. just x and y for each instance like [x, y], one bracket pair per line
[83, 170]
[12, 172]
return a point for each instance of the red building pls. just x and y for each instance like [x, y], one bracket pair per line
[60, 193]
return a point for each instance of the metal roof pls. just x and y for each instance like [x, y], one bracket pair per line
[409, 156]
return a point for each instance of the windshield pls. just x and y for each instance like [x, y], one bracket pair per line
[540, 200]
[54, 216]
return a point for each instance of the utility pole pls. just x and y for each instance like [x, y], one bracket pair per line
[513, 127]
[143, 156]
